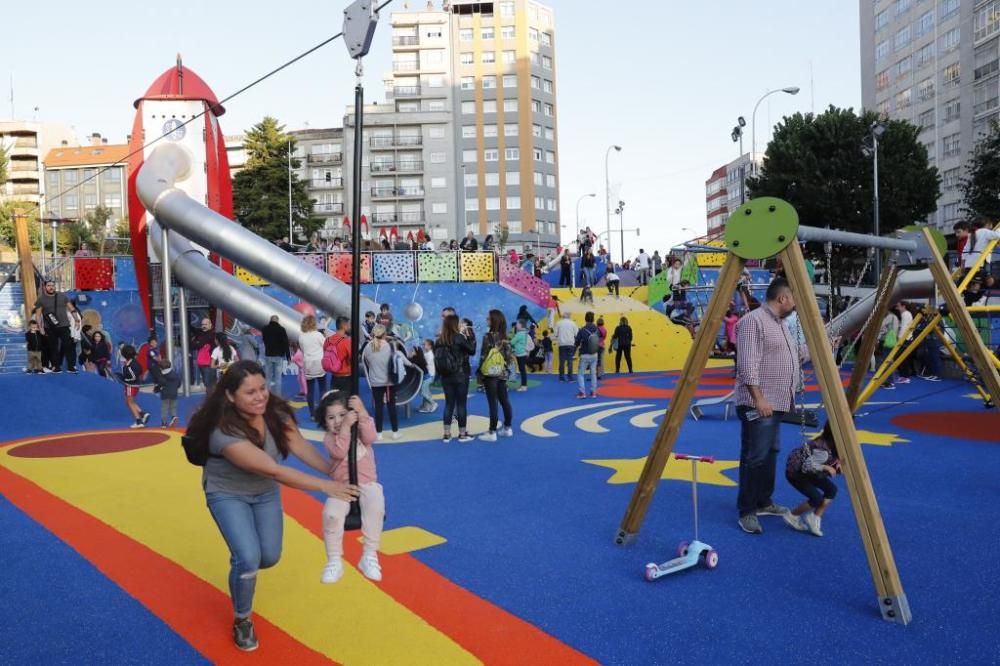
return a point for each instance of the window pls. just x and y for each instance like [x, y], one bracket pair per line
[468, 131]
[949, 40]
[547, 86]
[535, 59]
[435, 132]
[882, 108]
[90, 200]
[881, 50]
[466, 58]
[925, 24]
[902, 6]
[903, 66]
[984, 97]
[509, 80]
[950, 212]
[435, 82]
[491, 155]
[951, 76]
[112, 200]
[926, 119]
[488, 33]
[536, 106]
[439, 182]
[438, 158]
[471, 180]
[540, 203]
[510, 106]
[951, 179]
[507, 9]
[489, 57]
[408, 107]
[489, 131]
[536, 130]
[465, 35]
[924, 55]
[435, 105]
[508, 32]
[546, 39]
[489, 82]
[492, 179]
[881, 19]
[550, 157]
[514, 226]
[512, 153]
[925, 89]
[550, 110]
[468, 83]
[546, 62]
[469, 156]
[539, 178]
[985, 61]
[903, 99]
[550, 180]
[533, 34]
[513, 203]
[472, 204]
[550, 134]
[509, 57]
[951, 145]
[70, 201]
[492, 203]
[902, 38]
[986, 21]
[489, 106]
[71, 176]
[550, 204]
[536, 82]
[537, 154]
[468, 108]
[952, 110]
[949, 8]
[439, 208]
[513, 178]
[510, 129]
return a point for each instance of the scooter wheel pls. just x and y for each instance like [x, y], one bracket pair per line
[682, 549]
[650, 572]
[711, 559]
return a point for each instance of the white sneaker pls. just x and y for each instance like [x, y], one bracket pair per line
[488, 437]
[369, 566]
[465, 438]
[522, 389]
[332, 572]
[795, 522]
[506, 432]
[394, 435]
[813, 522]
[378, 437]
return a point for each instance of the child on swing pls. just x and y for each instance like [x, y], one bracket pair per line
[810, 469]
[336, 414]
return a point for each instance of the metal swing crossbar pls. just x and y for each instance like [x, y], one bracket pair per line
[759, 229]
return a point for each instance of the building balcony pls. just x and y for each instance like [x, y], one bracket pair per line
[15, 174]
[335, 208]
[325, 158]
[409, 166]
[326, 183]
[406, 66]
[402, 92]
[405, 41]
[391, 142]
[406, 217]
[408, 192]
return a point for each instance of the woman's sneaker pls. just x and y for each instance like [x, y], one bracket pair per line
[488, 436]
[505, 432]
[814, 523]
[446, 437]
[370, 567]
[332, 572]
[795, 522]
[244, 635]
[465, 437]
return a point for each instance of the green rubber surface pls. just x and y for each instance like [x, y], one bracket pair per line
[761, 228]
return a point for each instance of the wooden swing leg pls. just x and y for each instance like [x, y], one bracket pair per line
[891, 598]
[869, 337]
[963, 366]
[687, 384]
[885, 371]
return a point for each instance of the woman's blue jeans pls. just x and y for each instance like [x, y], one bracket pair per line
[252, 527]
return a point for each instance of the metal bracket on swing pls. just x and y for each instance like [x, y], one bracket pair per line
[360, 21]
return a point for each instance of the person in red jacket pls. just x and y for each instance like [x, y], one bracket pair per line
[339, 344]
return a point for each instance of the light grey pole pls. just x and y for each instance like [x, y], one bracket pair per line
[55, 237]
[607, 194]
[878, 255]
[791, 90]
[291, 239]
[592, 194]
[168, 309]
[41, 243]
[743, 173]
[182, 315]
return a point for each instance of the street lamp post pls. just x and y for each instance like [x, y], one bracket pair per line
[607, 192]
[877, 130]
[620, 212]
[591, 195]
[291, 238]
[737, 135]
[791, 90]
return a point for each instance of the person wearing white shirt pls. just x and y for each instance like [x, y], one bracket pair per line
[565, 333]
[905, 320]
[643, 261]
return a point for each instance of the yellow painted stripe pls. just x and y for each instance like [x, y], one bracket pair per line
[592, 423]
[536, 424]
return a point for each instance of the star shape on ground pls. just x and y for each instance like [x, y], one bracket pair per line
[627, 470]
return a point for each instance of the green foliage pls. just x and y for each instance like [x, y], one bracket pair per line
[981, 184]
[817, 164]
[7, 237]
[260, 191]
[3, 166]
[503, 237]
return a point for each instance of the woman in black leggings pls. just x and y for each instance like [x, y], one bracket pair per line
[451, 358]
[621, 339]
[496, 381]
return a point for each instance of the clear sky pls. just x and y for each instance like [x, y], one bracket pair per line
[666, 80]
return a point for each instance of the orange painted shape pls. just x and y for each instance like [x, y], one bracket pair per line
[198, 612]
[488, 632]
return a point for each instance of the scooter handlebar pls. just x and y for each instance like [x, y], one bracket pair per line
[685, 456]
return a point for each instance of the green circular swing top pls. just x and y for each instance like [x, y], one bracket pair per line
[761, 228]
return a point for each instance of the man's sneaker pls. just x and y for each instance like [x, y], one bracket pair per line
[488, 436]
[522, 389]
[73, 371]
[506, 432]
[795, 522]
[57, 371]
[581, 395]
[332, 572]
[814, 523]
[138, 424]
[244, 635]
[772, 509]
[369, 566]
[750, 524]
[889, 387]
[144, 418]
[465, 437]
[173, 422]
[931, 378]
[46, 370]
[903, 380]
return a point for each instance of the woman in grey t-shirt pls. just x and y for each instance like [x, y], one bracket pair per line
[248, 431]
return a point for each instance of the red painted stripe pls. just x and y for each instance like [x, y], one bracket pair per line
[487, 631]
[198, 612]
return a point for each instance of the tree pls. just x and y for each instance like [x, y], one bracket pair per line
[3, 166]
[260, 191]
[980, 185]
[7, 237]
[819, 165]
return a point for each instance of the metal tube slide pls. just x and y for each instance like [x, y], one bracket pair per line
[175, 210]
[909, 284]
[552, 263]
[815, 234]
[194, 270]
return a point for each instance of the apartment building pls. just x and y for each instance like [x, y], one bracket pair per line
[717, 201]
[934, 63]
[320, 155]
[78, 179]
[25, 143]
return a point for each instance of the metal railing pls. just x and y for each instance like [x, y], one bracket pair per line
[406, 66]
[405, 40]
[406, 91]
[394, 141]
[394, 192]
[410, 166]
[325, 158]
[336, 207]
[326, 183]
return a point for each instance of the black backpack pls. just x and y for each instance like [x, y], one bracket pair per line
[594, 342]
[445, 362]
[196, 451]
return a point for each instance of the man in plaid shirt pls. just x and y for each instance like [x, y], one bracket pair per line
[767, 370]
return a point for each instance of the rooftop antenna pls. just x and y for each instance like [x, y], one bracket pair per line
[180, 75]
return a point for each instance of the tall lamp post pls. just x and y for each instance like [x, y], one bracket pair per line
[790, 90]
[607, 192]
[871, 150]
[737, 135]
[620, 212]
[591, 195]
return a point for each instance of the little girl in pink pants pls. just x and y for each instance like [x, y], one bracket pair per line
[336, 414]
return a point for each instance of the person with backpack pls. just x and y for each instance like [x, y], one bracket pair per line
[239, 434]
[494, 369]
[452, 350]
[167, 384]
[337, 356]
[588, 342]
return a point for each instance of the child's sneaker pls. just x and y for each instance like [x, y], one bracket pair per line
[593, 394]
[813, 523]
[369, 566]
[173, 422]
[378, 437]
[138, 424]
[332, 572]
[144, 418]
[506, 432]
[522, 389]
[581, 395]
[795, 522]
[488, 436]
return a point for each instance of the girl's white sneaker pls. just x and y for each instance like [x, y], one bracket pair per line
[369, 566]
[332, 572]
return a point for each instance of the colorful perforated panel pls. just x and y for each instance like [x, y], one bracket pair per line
[437, 267]
[318, 260]
[251, 279]
[394, 267]
[526, 285]
[125, 274]
[478, 267]
[94, 273]
[339, 266]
